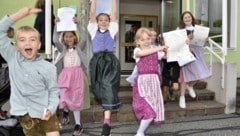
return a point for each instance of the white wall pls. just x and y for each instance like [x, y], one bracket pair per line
[226, 95]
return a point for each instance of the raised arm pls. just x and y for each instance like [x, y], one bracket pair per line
[93, 11]
[56, 41]
[23, 13]
[114, 11]
[83, 37]
[56, 37]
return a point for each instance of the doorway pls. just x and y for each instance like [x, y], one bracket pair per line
[128, 28]
[162, 15]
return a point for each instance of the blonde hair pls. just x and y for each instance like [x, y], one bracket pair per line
[27, 29]
[140, 32]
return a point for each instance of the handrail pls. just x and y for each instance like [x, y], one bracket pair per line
[220, 55]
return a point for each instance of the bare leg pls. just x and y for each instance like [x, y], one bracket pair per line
[165, 92]
[107, 114]
[55, 133]
[175, 86]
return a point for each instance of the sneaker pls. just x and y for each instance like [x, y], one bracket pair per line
[106, 129]
[191, 91]
[139, 134]
[182, 103]
[77, 130]
[65, 118]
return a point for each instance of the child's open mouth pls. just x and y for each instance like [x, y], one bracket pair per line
[28, 51]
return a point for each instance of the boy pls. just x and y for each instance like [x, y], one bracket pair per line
[34, 93]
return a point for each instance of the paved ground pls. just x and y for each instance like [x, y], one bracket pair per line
[214, 125]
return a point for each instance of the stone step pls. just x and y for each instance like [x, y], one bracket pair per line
[125, 95]
[202, 105]
[172, 111]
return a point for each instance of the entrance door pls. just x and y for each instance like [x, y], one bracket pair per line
[128, 28]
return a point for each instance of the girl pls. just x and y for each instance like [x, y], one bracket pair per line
[154, 43]
[71, 65]
[147, 95]
[197, 70]
[104, 65]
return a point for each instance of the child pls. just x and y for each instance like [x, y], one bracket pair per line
[147, 95]
[34, 92]
[170, 75]
[104, 65]
[197, 70]
[154, 43]
[71, 65]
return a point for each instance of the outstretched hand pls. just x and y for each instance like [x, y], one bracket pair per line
[76, 20]
[24, 12]
[164, 48]
[46, 114]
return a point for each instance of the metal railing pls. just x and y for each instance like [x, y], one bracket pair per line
[219, 52]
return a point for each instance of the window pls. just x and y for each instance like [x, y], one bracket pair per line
[209, 13]
[170, 11]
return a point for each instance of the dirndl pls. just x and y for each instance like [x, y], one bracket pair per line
[105, 79]
[71, 84]
[197, 70]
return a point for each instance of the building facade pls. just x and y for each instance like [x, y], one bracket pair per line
[222, 16]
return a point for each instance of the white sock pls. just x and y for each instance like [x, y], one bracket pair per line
[143, 126]
[77, 117]
[65, 109]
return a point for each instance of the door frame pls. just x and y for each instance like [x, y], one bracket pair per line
[126, 48]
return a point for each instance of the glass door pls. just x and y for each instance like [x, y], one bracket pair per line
[170, 14]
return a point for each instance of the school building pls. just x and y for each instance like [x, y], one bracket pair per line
[221, 16]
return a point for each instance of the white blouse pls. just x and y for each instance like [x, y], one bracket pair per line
[71, 58]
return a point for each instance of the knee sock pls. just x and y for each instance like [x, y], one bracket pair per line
[77, 117]
[143, 126]
[107, 121]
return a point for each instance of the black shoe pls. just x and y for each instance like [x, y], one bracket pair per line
[65, 118]
[3, 115]
[77, 130]
[106, 129]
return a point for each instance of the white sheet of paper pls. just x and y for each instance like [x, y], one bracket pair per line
[66, 23]
[199, 35]
[184, 55]
[175, 40]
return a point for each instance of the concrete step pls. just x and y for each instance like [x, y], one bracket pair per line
[202, 105]
[172, 111]
[125, 95]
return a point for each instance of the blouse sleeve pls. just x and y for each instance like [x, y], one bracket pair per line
[134, 54]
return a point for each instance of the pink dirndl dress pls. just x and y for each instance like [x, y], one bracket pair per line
[71, 84]
[147, 94]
